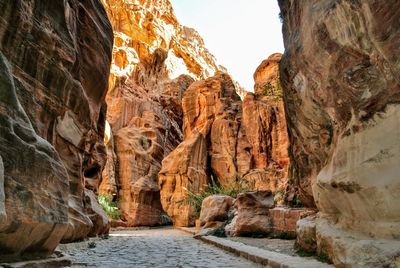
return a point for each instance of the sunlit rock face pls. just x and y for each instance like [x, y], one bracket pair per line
[264, 124]
[340, 77]
[155, 59]
[54, 64]
[236, 142]
[210, 127]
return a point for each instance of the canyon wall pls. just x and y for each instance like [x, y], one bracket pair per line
[236, 142]
[155, 59]
[264, 124]
[54, 64]
[340, 75]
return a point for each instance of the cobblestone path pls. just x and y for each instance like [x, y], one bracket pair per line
[150, 248]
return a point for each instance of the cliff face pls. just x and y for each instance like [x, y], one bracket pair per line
[264, 123]
[210, 107]
[54, 64]
[340, 77]
[235, 142]
[155, 59]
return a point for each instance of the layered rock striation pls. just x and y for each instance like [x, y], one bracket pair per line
[54, 64]
[341, 89]
[238, 143]
[264, 124]
[155, 59]
[187, 167]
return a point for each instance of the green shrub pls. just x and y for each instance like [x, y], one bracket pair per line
[268, 89]
[297, 202]
[273, 91]
[109, 206]
[214, 188]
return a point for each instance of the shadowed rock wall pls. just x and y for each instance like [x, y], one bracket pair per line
[54, 64]
[340, 75]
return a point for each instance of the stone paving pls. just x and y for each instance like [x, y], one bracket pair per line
[275, 245]
[150, 248]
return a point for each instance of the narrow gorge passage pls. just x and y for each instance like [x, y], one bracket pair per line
[157, 248]
[116, 117]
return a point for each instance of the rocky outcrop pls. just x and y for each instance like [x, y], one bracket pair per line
[246, 141]
[155, 59]
[306, 236]
[214, 210]
[252, 214]
[54, 63]
[183, 170]
[284, 220]
[210, 109]
[340, 78]
[264, 124]
[96, 215]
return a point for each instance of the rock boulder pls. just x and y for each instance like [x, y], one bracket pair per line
[214, 209]
[252, 214]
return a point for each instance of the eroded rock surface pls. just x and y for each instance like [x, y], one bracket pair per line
[252, 214]
[210, 108]
[340, 77]
[264, 124]
[54, 63]
[183, 170]
[214, 210]
[246, 141]
[155, 59]
[306, 236]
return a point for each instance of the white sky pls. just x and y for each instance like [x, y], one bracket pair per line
[239, 33]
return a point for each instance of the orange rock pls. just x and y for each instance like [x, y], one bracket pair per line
[266, 77]
[209, 106]
[183, 170]
[155, 59]
[284, 219]
[248, 140]
[252, 214]
[145, 126]
[54, 66]
[214, 209]
[264, 125]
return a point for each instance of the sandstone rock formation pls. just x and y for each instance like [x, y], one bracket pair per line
[155, 59]
[340, 78]
[284, 220]
[264, 123]
[214, 210]
[306, 236]
[252, 214]
[245, 141]
[210, 109]
[54, 63]
[183, 170]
